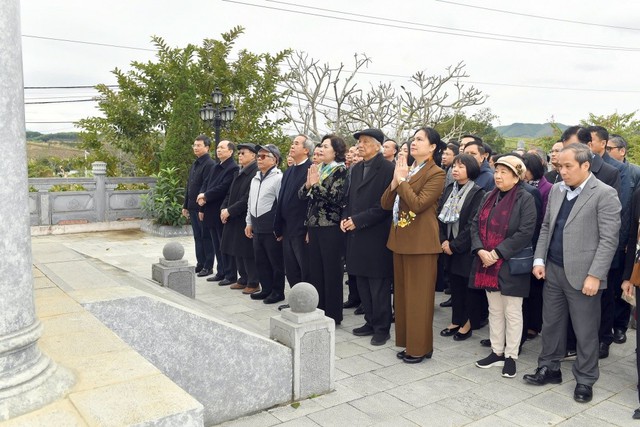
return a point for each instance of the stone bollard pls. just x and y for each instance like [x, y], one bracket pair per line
[174, 272]
[99, 170]
[311, 336]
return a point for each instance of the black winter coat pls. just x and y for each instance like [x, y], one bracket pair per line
[522, 224]
[367, 253]
[234, 242]
[217, 187]
[461, 260]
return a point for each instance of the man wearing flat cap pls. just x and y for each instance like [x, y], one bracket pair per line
[267, 249]
[367, 226]
[233, 215]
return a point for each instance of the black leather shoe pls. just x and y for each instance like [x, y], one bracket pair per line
[446, 332]
[198, 268]
[226, 282]
[204, 272]
[215, 278]
[446, 303]
[273, 298]
[636, 414]
[447, 291]
[401, 354]
[363, 331]
[350, 304]
[260, 295]
[359, 310]
[485, 343]
[283, 306]
[544, 375]
[379, 339]
[583, 393]
[459, 336]
[416, 359]
[604, 350]
[619, 336]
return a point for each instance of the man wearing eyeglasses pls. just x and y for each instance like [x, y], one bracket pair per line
[553, 175]
[267, 249]
[617, 149]
[615, 312]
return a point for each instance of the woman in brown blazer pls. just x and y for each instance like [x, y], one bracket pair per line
[413, 197]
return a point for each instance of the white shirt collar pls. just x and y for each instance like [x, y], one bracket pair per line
[572, 194]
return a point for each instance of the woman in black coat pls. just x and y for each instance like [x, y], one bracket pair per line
[458, 206]
[500, 231]
[233, 213]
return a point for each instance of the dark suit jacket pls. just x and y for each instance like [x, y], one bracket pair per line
[198, 174]
[420, 195]
[234, 242]
[590, 235]
[522, 224]
[605, 173]
[217, 187]
[291, 212]
[367, 253]
[462, 258]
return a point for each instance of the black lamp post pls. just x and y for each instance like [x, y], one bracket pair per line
[216, 115]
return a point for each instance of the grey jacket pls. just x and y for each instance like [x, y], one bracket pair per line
[590, 236]
[263, 194]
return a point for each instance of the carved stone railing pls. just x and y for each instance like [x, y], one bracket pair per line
[98, 202]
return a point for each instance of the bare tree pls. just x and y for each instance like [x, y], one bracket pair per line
[311, 86]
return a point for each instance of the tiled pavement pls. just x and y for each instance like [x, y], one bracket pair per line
[373, 387]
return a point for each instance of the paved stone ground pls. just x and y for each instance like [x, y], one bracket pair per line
[373, 387]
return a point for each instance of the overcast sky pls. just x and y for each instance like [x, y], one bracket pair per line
[526, 82]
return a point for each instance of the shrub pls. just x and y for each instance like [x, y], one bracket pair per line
[67, 187]
[131, 186]
[164, 203]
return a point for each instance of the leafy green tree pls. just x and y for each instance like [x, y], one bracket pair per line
[151, 109]
[622, 124]
[454, 126]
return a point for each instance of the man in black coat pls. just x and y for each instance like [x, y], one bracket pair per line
[291, 213]
[216, 189]
[367, 226]
[233, 213]
[195, 185]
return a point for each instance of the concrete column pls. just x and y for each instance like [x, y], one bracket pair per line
[100, 197]
[311, 336]
[28, 378]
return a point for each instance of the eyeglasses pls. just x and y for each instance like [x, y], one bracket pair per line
[609, 148]
[554, 151]
[264, 156]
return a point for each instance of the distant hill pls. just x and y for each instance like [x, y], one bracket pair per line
[528, 130]
[68, 137]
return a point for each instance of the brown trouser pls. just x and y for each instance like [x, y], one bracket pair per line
[414, 294]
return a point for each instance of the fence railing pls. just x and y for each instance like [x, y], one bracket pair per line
[98, 202]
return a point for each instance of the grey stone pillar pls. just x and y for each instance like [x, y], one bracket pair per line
[28, 378]
[100, 175]
[311, 336]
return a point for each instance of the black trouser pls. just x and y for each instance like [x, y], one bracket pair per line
[622, 311]
[354, 294]
[637, 342]
[477, 306]
[459, 300]
[375, 294]
[296, 259]
[247, 270]
[269, 263]
[202, 239]
[325, 268]
[532, 308]
[607, 306]
[443, 280]
[222, 267]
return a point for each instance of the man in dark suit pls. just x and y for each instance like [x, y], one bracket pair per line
[291, 213]
[581, 213]
[612, 303]
[195, 185]
[367, 226]
[217, 186]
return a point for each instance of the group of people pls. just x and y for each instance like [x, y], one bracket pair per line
[500, 232]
